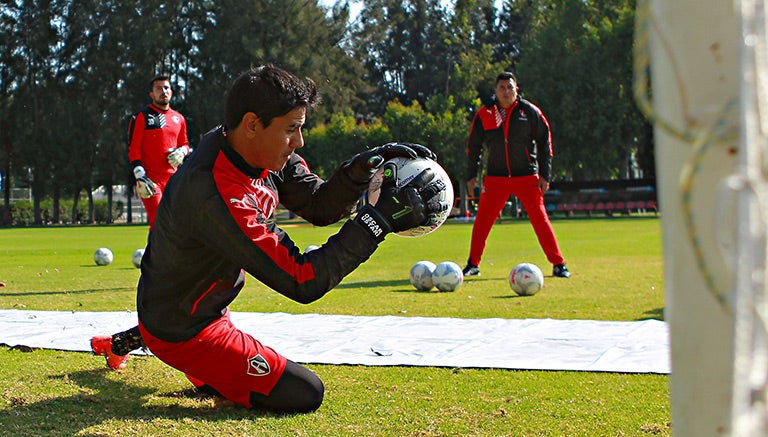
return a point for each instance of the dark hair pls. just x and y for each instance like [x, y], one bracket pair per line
[156, 78]
[507, 75]
[268, 91]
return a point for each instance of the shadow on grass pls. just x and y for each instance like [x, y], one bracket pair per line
[110, 401]
[657, 313]
[88, 266]
[375, 284]
[410, 289]
[511, 295]
[397, 285]
[60, 292]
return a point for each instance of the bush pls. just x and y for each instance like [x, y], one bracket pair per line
[23, 213]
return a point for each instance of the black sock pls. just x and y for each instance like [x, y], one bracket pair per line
[126, 341]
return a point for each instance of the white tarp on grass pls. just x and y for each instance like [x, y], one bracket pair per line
[533, 344]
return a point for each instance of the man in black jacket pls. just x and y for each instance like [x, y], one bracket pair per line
[213, 226]
[519, 143]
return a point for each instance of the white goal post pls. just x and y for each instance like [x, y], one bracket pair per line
[701, 76]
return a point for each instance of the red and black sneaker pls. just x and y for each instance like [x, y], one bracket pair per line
[102, 345]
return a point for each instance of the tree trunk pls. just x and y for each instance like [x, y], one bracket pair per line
[7, 142]
[76, 197]
[56, 204]
[91, 218]
[38, 192]
[128, 202]
[37, 195]
[109, 218]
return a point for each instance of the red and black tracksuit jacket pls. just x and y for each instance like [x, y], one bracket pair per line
[214, 225]
[151, 132]
[518, 139]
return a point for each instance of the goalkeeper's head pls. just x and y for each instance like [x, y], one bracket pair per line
[160, 91]
[266, 109]
[268, 91]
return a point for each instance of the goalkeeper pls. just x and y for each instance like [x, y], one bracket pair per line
[214, 226]
[157, 145]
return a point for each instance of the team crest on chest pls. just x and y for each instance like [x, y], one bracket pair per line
[258, 366]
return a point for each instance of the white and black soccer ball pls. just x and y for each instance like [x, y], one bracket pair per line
[407, 169]
[103, 256]
[311, 247]
[136, 258]
[526, 279]
[421, 275]
[447, 276]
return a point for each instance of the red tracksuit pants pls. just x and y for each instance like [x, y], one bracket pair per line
[494, 195]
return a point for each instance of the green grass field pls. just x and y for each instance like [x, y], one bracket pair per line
[617, 275]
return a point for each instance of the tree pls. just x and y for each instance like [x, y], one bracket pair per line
[403, 49]
[472, 40]
[297, 35]
[10, 68]
[330, 144]
[578, 69]
[34, 48]
[442, 128]
[515, 21]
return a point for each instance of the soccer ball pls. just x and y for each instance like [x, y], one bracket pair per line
[136, 258]
[103, 257]
[421, 275]
[311, 247]
[526, 279]
[407, 169]
[447, 276]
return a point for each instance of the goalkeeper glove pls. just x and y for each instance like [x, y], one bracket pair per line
[400, 209]
[418, 148]
[145, 188]
[176, 156]
[362, 166]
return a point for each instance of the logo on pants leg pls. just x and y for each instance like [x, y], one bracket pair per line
[258, 366]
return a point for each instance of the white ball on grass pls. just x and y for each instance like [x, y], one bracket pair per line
[526, 279]
[103, 256]
[136, 258]
[447, 276]
[421, 275]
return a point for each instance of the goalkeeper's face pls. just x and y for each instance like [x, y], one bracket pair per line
[161, 94]
[270, 147]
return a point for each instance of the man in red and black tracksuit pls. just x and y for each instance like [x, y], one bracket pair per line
[157, 145]
[519, 143]
[214, 226]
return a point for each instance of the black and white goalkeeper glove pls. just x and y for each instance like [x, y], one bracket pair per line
[145, 188]
[400, 209]
[176, 156]
[363, 165]
[421, 151]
